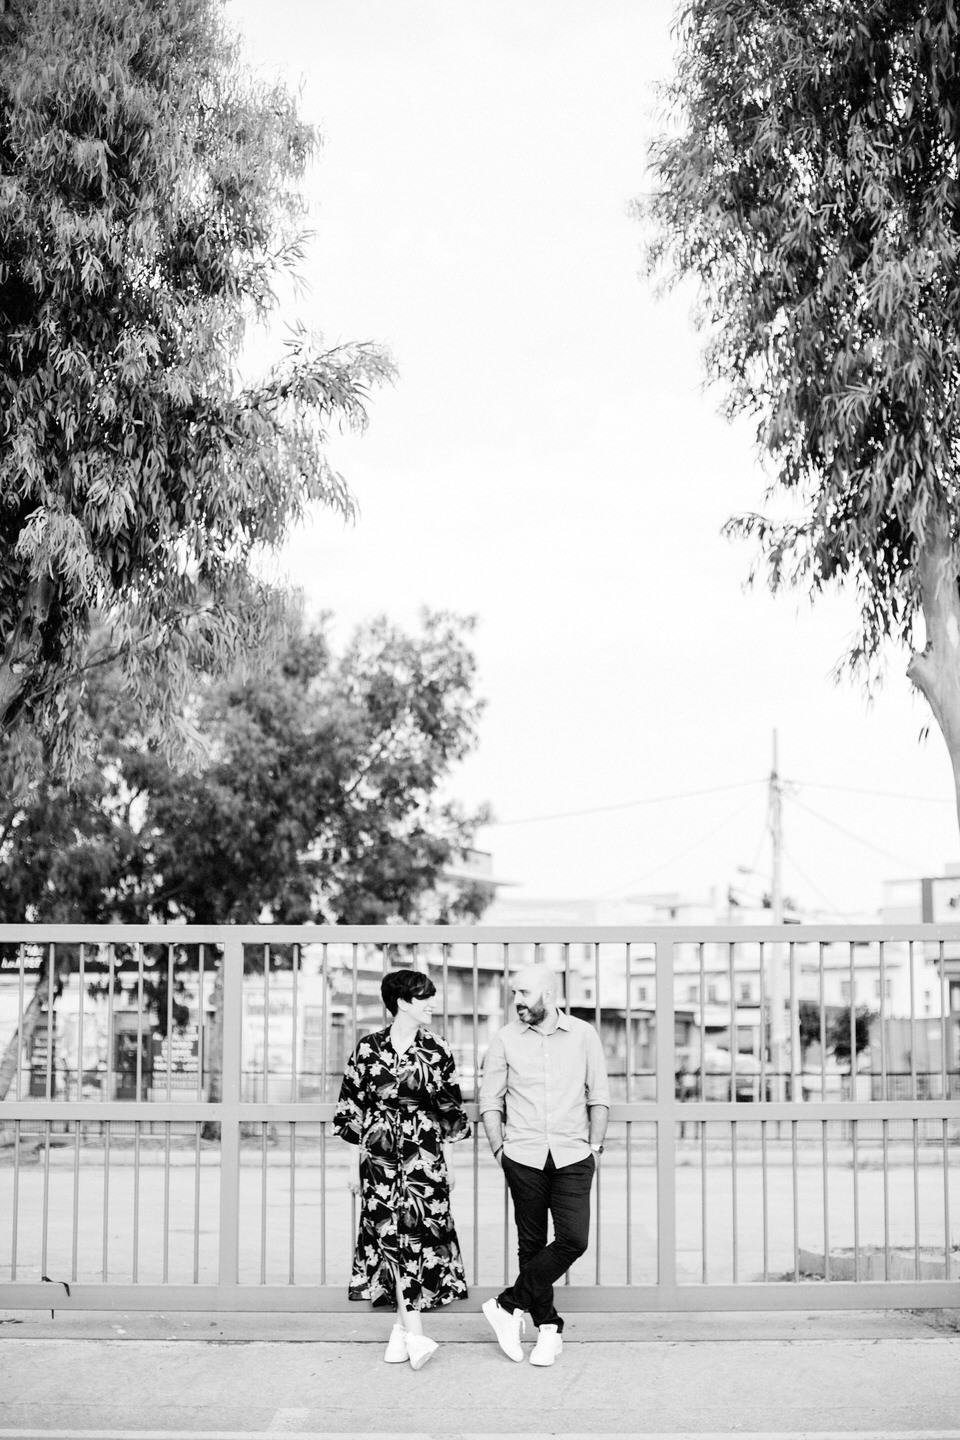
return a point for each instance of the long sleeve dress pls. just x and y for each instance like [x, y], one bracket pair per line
[400, 1109]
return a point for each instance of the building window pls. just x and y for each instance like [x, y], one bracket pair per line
[746, 991]
[693, 993]
[641, 994]
[711, 994]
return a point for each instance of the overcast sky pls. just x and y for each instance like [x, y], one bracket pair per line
[550, 462]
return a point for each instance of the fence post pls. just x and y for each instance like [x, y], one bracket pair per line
[230, 1110]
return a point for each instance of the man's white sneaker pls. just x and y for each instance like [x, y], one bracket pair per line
[419, 1350]
[396, 1351]
[548, 1347]
[508, 1326]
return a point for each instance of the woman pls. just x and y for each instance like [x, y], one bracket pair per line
[399, 1103]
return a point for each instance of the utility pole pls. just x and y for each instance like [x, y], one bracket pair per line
[775, 966]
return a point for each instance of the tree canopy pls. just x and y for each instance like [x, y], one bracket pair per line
[810, 182]
[321, 799]
[149, 202]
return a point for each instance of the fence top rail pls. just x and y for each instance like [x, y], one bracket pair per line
[552, 934]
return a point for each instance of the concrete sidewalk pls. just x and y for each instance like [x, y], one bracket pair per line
[816, 1374]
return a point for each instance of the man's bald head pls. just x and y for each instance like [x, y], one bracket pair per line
[535, 991]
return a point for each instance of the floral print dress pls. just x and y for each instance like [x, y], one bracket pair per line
[400, 1109]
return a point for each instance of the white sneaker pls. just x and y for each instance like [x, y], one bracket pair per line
[419, 1350]
[508, 1326]
[396, 1351]
[548, 1347]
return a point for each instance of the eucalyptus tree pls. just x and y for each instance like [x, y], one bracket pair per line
[150, 202]
[809, 181]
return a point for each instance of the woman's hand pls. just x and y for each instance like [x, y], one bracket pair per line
[353, 1170]
[448, 1162]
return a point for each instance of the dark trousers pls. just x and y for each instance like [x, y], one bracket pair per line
[564, 1196]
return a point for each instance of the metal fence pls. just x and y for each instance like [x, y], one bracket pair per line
[785, 1127]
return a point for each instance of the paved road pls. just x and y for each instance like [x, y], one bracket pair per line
[813, 1376]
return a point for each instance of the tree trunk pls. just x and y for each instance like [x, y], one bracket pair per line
[936, 670]
[18, 660]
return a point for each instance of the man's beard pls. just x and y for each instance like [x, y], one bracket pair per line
[532, 1014]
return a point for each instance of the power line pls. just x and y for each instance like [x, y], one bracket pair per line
[679, 856]
[624, 805]
[880, 794]
[909, 864]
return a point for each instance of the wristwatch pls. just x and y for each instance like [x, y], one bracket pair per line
[597, 1149]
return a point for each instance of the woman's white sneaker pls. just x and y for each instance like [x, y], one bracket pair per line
[396, 1351]
[419, 1350]
[548, 1347]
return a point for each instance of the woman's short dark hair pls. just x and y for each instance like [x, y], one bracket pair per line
[405, 985]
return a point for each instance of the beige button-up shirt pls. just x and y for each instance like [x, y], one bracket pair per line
[548, 1083]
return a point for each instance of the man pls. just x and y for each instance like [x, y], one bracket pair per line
[544, 1102]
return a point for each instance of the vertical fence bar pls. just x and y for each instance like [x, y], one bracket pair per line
[197, 1152]
[294, 1022]
[107, 1091]
[171, 950]
[599, 1173]
[702, 983]
[944, 1014]
[265, 1091]
[765, 1198]
[628, 1095]
[945, 1152]
[916, 1202]
[166, 1195]
[734, 1197]
[201, 1013]
[795, 1086]
[794, 1165]
[666, 1118]
[293, 1201]
[851, 952]
[232, 962]
[506, 1205]
[884, 1082]
[15, 1207]
[48, 1084]
[263, 1202]
[734, 1040]
[138, 1064]
[823, 1022]
[323, 1208]
[824, 1124]
[75, 1219]
[136, 1200]
[105, 1238]
[913, 1030]
[854, 1124]
[763, 1025]
[80, 1027]
[21, 962]
[325, 991]
[46, 1197]
[475, 1144]
[703, 1201]
[885, 1132]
